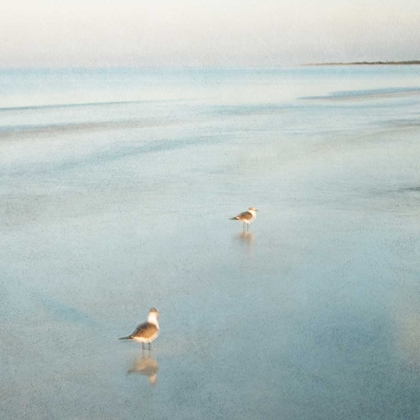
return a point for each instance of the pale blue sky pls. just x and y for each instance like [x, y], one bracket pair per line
[76, 33]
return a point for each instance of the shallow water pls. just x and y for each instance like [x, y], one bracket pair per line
[116, 187]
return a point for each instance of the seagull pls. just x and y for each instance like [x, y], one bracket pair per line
[146, 332]
[246, 217]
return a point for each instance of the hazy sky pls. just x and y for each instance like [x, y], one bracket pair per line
[79, 33]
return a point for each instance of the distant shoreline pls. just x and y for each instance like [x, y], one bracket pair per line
[370, 63]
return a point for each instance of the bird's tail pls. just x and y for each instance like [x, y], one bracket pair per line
[126, 338]
[234, 218]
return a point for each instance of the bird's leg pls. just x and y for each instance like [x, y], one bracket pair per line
[150, 347]
[142, 346]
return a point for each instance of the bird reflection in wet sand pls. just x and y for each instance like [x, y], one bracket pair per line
[146, 332]
[247, 238]
[147, 366]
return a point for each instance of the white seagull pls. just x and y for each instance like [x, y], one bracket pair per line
[146, 332]
[246, 217]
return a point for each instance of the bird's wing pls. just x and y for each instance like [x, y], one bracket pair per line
[246, 215]
[145, 330]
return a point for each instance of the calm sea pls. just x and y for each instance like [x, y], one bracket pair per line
[115, 191]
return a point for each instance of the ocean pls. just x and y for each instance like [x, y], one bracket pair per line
[116, 189]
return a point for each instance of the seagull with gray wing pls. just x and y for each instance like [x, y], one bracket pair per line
[146, 332]
[246, 217]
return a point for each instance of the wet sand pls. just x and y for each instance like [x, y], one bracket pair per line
[312, 314]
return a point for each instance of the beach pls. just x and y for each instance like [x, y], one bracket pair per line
[116, 189]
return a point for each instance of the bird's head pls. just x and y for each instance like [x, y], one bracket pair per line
[153, 316]
[154, 311]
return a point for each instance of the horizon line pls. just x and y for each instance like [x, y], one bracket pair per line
[215, 67]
